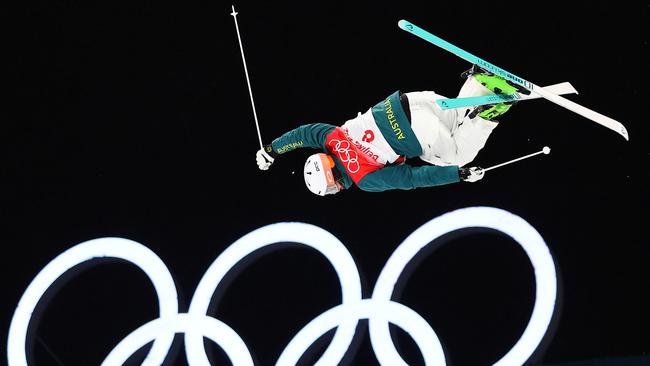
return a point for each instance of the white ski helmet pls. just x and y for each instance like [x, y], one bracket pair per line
[319, 176]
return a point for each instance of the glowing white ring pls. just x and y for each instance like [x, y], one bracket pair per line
[389, 311]
[127, 250]
[486, 217]
[309, 235]
[212, 328]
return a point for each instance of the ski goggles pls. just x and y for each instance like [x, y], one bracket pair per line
[333, 185]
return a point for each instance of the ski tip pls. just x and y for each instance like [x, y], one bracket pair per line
[623, 133]
[402, 24]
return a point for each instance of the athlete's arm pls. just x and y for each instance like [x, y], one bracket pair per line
[408, 177]
[311, 135]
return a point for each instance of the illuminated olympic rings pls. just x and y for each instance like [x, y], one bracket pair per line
[379, 309]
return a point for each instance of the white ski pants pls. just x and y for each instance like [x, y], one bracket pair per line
[449, 137]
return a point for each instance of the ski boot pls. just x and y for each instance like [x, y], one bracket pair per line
[490, 112]
[497, 85]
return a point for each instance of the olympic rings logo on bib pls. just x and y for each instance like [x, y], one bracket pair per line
[379, 309]
[347, 154]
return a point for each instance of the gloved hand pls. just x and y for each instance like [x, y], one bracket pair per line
[472, 174]
[264, 158]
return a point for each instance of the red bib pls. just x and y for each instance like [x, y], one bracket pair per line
[356, 162]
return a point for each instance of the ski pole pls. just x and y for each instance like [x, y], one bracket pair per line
[546, 150]
[250, 91]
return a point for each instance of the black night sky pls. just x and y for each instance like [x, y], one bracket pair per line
[133, 120]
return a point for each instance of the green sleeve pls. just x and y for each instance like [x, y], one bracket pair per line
[408, 177]
[310, 135]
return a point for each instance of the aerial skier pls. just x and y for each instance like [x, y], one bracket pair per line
[370, 150]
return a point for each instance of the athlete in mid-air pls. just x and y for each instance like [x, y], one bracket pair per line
[370, 150]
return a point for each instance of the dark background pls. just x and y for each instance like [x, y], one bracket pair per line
[134, 120]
